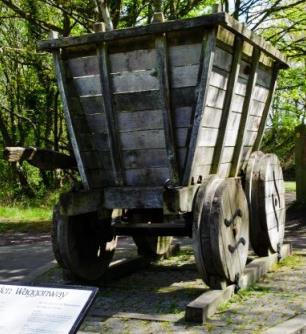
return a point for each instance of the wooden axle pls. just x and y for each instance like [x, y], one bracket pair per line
[160, 229]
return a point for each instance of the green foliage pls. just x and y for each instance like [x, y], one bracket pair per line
[30, 107]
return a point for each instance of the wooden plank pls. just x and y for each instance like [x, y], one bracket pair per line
[133, 198]
[206, 21]
[182, 117]
[181, 55]
[91, 104]
[136, 159]
[136, 81]
[227, 105]
[215, 97]
[218, 78]
[156, 28]
[184, 76]
[147, 176]
[142, 139]
[83, 66]
[99, 178]
[111, 121]
[260, 93]
[225, 36]
[97, 160]
[245, 114]
[62, 86]
[250, 138]
[94, 142]
[256, 108]
[223, 59]
[88, 85]
[206, 304]
[267, 107]
[264, 75]
[211, 117]
[164, 86]
[140, 120]
[207, 136]
[183, 97]
[143, 59]
[148, 100]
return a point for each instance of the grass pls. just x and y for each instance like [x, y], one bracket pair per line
[290, 186]
[27, 215]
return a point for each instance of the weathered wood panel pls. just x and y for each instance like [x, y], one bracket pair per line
[97, 160]
[211, 117]
[140, 120]
[182, 117]
[142, 139]
[88, 85]
[224, 169]
[188, 54]
[256, 108]
[91, 104]
[83, 66]
[143, 59]
[136, 81]
[207, 136]
[136, 101]
[222, 59]
[260, 93]
[250, 138]
[218, 78]
[148, 176]
[98, 178]
[151, 158]
[215, 97]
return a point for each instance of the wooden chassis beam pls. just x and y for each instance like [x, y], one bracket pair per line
[230, 92]
[207, 59]
[245, 113]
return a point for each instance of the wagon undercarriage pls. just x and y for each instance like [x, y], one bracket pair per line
[165, 122]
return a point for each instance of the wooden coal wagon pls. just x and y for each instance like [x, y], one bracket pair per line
[165, 121]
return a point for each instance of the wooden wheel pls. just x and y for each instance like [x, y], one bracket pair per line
[82, 245]
[266, 197]
[150, 246]
[220, 231]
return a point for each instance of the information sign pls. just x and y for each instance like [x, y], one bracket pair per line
[43, 310]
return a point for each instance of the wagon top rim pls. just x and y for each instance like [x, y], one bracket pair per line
[205, 21]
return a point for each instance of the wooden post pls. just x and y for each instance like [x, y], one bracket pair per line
[207, 60]
[267, 107]
[111, 119]
[62, 86]
[230, 92]
[245, 113]
[300, 163]
[165, 99]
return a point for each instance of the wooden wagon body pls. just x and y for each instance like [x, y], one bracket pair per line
[153, 111]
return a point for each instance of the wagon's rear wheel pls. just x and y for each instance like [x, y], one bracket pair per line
[83, 245]
[220, 231]
[150, 246]
[266, 196]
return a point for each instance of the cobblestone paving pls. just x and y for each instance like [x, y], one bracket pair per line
[153, 300]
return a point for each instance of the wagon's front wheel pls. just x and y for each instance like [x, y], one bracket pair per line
[83, 245]
[220, 231]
